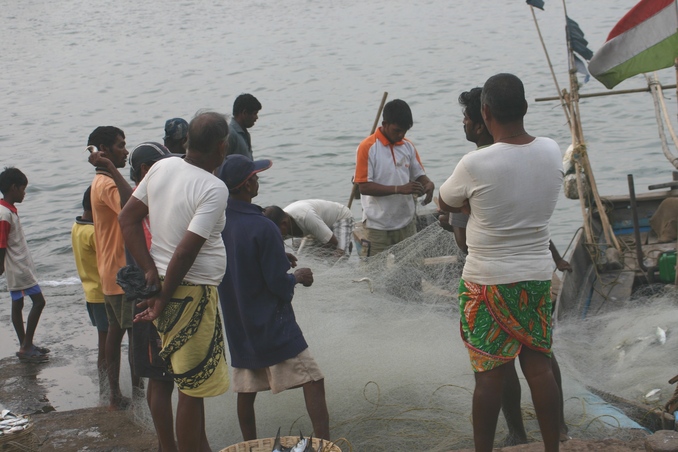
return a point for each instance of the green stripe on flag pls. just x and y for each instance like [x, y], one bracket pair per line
[659, 56]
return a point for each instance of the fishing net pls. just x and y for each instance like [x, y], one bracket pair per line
[385, 333]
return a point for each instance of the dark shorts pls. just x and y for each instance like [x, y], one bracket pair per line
[119, 311]
[19, 294]
[146, 346]
[97, 314]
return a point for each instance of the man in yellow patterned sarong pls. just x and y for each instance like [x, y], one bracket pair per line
[185, 204]
[511, 187]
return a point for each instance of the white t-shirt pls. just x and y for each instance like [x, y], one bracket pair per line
[512, 191]
[182, 197]
[317, 216]
[385, 163]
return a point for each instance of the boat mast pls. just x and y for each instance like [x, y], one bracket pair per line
[580, 153]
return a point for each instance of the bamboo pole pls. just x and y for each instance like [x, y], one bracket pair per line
[354, 189]
[659, 105]
[580, 148]
[560, 97]
[607, 93]
[582, 204]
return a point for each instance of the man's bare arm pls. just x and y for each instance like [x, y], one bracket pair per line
[445, 208]
[561, 264]
[2, 260]
[375, 189]
[333, 241]
[131, 224]
[428, 187]
[124, 188]
[181, 262]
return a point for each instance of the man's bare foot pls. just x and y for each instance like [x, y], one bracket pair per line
[513, 440]
[32, 356]
[119, 403]
[563, 434]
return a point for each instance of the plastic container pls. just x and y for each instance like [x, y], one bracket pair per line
[667, 267]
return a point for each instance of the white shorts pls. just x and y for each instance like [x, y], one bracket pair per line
[288, 374]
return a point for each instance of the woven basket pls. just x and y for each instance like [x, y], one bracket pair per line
[23, 441]
[266, 445]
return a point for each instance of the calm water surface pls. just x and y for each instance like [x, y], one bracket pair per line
[318, 68]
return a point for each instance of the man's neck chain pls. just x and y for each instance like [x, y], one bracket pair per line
[511, 136]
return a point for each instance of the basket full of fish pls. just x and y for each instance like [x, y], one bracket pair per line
[284, 444]
[16, 433]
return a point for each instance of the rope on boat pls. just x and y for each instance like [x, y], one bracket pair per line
[659, 111]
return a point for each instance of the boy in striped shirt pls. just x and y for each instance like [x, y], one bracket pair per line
[17, 265]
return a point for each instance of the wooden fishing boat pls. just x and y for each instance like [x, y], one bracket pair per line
[619, 249]
[596, 285]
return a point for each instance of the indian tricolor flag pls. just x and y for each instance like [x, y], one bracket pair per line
[644, 40]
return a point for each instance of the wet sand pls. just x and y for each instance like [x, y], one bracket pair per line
[97, 429]
[25, 390]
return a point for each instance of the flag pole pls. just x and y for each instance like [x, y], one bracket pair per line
[548, 59]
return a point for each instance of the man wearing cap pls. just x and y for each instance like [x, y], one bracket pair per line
[110, 192]
[176, 135]
[185, 204]
[245, 113]
[268, 349]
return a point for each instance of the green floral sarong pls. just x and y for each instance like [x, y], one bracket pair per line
[496, 321]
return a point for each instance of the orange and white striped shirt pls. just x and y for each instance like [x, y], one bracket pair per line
[380, 161]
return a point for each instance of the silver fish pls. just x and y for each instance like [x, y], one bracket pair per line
[661, 335]
[368, 281]
[301, 445]
[653, 396]
[277, 445]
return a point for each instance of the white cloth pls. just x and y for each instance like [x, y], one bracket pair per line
[512, 191]
[182, 197]
[316, 217]
[19, 267]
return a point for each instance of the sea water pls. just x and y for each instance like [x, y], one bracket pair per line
[319, 70]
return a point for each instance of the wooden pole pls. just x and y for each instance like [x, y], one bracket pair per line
[659, 108]
[606, 93]
[553, 74]
[354, 189]
[580, 148]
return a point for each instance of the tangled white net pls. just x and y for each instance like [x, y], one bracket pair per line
[398, 376]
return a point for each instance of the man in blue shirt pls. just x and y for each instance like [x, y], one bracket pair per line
[268, 349]
[245, 113]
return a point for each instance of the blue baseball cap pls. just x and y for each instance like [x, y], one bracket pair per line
[237, 168]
